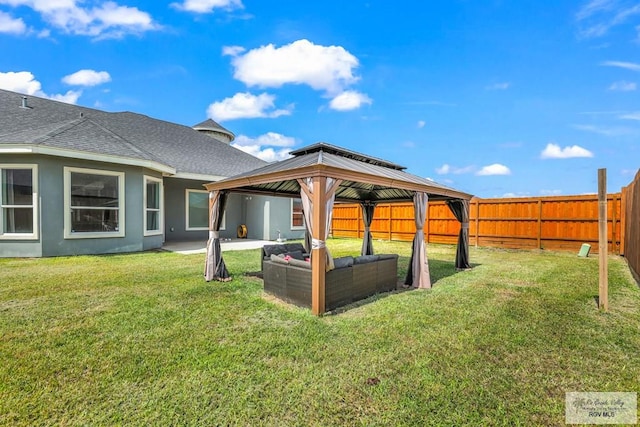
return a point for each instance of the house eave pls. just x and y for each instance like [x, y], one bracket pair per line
[85, 155]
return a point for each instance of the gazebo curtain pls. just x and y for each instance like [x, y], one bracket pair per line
[418, 272]
[307, 207]
[460, 209]
[214, 267]
[368, 209]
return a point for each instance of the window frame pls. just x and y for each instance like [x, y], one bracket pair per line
[68, 234]
[34, 203]
[186, 212]
[296, 227]
[160, 208]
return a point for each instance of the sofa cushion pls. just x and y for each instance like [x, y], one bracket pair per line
[363, 259]
[297, 263]
[279, 259]
[343, 262]
[273, 249]
[295, 255]
[387, 256]
[294, 247]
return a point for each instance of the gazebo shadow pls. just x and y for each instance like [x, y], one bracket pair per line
[438, 270]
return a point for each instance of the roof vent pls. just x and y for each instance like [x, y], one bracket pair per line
[24, 103]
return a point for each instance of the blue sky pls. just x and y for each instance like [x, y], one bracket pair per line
[495, 98]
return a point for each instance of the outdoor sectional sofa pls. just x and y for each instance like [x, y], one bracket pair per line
[353, 279]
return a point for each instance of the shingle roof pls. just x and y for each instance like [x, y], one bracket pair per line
[129, 135]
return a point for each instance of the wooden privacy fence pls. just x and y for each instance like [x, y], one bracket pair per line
[631, 225]
[557, 223]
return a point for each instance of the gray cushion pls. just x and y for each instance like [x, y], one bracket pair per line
[294, 247]
[388, 256]
[363, 259]
[279, 259]
[343, 262]
[273, 249]
[298, 263]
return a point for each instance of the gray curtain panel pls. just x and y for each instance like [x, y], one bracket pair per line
[460, 209]
[368, 209]
[418, 272]
[214, 267]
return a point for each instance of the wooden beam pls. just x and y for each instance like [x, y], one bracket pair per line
[477, 220]
[318, 254]
[603, 283]
[614, 235]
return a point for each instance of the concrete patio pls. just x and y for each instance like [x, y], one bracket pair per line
[197, 247]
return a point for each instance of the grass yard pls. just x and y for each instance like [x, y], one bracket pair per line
[142, 339]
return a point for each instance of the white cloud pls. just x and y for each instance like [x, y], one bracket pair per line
[71, 97]
[447, 169]
[597, 17]
[606, 131]
[10, 25]
[263, 146]
[87, 78]
[25, 82]
[421, 124]
[631, 116]
[443, 170]
[105, 20]
[623, 86]
[499, 86]
[553, 151]
[494, 169]
[620, 64]
[327, 68]
[349, 100]
[550, 192]
[246, 105]
[232, 50]
[21, 81]
[207, 6]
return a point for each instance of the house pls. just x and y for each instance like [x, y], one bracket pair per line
[77, 180]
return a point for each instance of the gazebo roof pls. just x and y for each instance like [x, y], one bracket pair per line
[364, 178]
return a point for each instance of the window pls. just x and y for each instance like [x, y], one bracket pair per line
[297, 215]
[153, 202]
[197, 204]
[94, 203]
[197, 211]
[18, 201]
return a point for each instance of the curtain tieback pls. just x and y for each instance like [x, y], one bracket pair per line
[214, 234]
[465, 226]
[367, 229]
[318, 244]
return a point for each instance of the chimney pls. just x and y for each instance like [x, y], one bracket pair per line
[24, 102]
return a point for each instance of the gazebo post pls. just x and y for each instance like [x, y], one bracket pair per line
[318, 252]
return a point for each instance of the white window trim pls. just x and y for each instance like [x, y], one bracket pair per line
[223, 226]
[160, 230]
[295, 227]
[67, 205]
[34, 203]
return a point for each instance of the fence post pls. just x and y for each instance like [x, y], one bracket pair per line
[390, 221]
[603, 285]
[477, 221]
[623, 218]
[539, 243]
[614, 246]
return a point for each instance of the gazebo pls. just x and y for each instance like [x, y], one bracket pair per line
[321, 175]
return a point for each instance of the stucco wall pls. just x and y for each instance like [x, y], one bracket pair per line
[175, 212]
[51, 240]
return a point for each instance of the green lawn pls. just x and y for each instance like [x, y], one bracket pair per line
[142, 339]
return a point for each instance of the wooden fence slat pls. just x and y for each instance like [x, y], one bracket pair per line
[563, 222]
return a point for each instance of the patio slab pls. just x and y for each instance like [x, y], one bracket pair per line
[199, 247]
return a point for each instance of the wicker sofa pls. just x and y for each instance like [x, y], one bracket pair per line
[353, 279]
